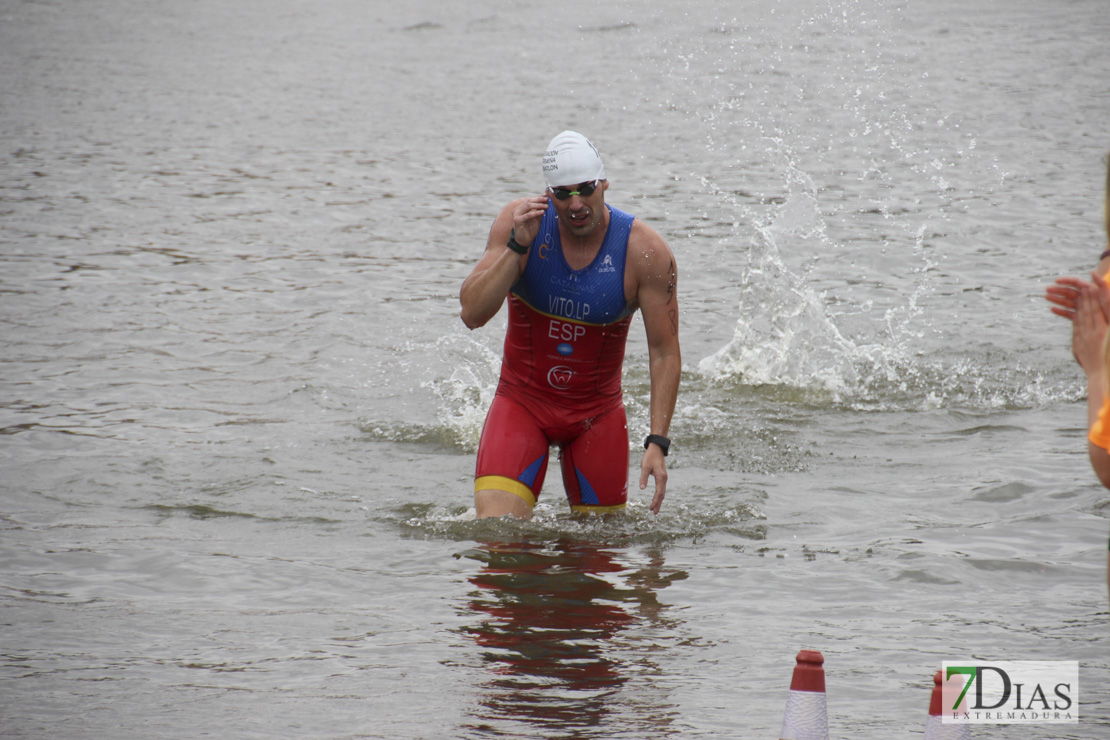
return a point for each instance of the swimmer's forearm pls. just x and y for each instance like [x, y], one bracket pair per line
[484, 291]
[666, 370]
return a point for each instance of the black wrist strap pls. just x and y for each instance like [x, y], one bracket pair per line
[663, 442]
[518, 248]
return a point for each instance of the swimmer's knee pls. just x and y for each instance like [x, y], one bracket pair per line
[493, 502]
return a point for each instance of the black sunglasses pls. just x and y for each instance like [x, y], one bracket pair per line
[585, 189]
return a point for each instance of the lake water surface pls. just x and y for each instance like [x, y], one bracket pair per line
[239, 410]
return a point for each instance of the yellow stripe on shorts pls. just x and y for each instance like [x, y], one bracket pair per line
[501, 483]
[584, 509]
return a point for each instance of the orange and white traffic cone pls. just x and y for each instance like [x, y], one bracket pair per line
[806, 716]
[935, 728]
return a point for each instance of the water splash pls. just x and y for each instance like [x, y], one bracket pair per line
[841, 290]
[466, 394]
[791, 334]
[458, 372]
[787, 332]
[784, 334]
[685, 522]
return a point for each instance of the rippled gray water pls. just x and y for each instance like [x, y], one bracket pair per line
[239, 411]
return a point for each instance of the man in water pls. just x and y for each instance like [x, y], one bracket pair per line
[574, 271]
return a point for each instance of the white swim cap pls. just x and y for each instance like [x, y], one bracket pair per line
[570, 159]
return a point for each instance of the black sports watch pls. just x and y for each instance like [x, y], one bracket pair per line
[659, 439]
[514, 245]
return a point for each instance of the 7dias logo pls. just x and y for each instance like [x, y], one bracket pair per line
[1010, 692]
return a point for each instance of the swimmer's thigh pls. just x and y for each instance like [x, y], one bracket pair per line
[512, 453]
[595, 464]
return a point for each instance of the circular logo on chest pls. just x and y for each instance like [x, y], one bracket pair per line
[559, 377]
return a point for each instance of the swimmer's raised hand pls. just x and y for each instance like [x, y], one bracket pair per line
[527, 215]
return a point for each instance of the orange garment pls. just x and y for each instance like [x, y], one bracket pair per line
[1100, 430]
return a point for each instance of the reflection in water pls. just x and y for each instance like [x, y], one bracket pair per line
[549, 615]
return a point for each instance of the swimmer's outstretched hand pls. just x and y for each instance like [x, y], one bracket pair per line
[526, 218]
[653, 465]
